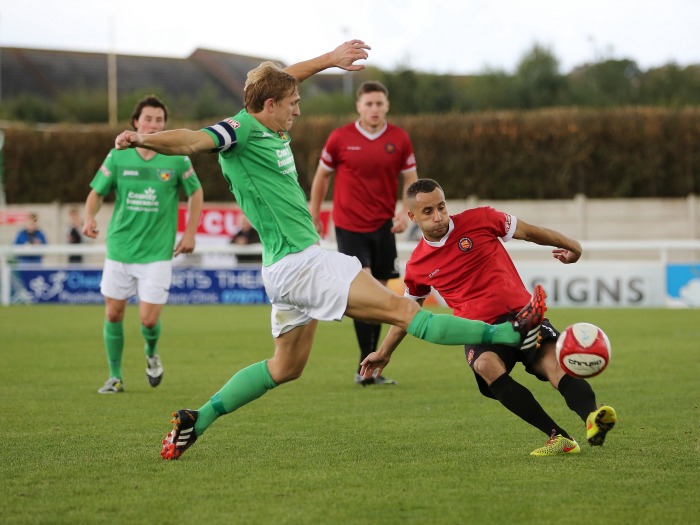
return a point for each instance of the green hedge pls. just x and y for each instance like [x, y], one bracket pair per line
[544, 154]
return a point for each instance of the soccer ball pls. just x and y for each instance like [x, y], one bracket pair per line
[583, 350]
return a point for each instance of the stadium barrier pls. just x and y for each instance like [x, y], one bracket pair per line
[652, 273]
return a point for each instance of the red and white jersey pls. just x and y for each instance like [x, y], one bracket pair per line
[470, 267]
[368, 167]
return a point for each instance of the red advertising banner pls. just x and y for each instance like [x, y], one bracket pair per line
[214, 221]
[13, 217]
[225, 221]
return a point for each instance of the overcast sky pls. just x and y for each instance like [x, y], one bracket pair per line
[440, 36]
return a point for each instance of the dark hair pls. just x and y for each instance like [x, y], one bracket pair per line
[150, 101]
[372, 86]
[422, 186]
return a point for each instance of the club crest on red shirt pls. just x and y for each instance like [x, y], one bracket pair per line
[390, 148]
[465, 244]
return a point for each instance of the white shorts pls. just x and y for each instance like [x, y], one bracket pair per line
[150, 281]
[311, 284]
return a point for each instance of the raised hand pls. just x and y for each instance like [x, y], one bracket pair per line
[345, 55]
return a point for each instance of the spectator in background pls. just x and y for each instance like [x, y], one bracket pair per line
[368, 157]
[247, 235]
[31, 234]
[74, 235]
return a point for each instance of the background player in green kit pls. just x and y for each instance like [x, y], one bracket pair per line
[304, 282]
[141, 236]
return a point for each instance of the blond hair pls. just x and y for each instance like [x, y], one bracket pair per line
[268, 80]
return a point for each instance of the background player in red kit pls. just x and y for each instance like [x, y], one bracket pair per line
[368, 158]
[463, 258]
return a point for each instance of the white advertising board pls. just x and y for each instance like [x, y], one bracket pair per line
[606, 284]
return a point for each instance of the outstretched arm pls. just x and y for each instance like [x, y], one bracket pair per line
[344, 56]
[566, 250]
[174, 142]
[375, 362]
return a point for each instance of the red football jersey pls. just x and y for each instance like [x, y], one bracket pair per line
[470, 268]
[367, 170]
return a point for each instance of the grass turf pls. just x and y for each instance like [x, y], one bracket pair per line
[323, 450]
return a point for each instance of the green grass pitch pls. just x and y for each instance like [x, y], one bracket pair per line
[323, 450]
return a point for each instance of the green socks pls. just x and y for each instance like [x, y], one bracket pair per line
[151, 336]
[447, 329]
[252, 382]
[113, 334]
[245, 386]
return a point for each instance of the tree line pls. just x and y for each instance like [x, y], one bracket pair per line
[535, 84]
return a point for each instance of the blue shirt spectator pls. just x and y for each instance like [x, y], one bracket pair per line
[31, 234]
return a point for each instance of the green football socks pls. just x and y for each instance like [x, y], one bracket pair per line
[245, 386]
[445, 329]
[252, 382]
[114, 344]
[151, 335]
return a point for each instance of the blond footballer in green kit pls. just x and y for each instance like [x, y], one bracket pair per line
[141, 236]
[304, 282]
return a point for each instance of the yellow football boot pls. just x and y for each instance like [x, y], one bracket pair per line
[557, 445]
[598, 424]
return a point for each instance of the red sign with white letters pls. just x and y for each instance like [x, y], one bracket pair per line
[13, 217]
[225, 221]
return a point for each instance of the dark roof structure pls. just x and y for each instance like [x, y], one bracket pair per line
[47, 73]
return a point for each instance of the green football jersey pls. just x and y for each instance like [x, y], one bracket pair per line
[259, 167]
[147, 193]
